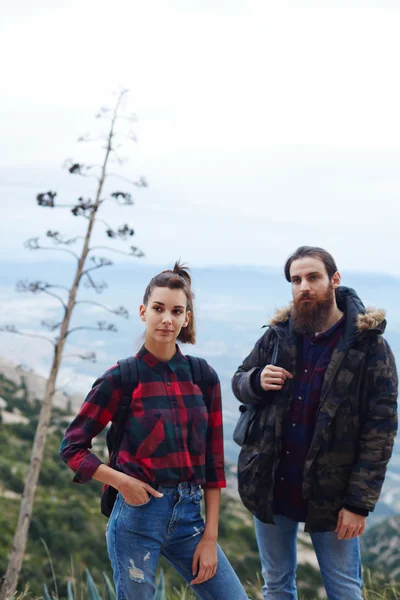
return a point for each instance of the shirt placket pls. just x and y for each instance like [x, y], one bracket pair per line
[169, 379]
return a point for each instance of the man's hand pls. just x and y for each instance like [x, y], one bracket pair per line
[349, 525]
[135, 491]
[205, 561]
[273, 378]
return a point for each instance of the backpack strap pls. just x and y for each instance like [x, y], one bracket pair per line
[129, 380]
[201, 373]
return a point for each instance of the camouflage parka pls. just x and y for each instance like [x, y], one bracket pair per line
[356, 421]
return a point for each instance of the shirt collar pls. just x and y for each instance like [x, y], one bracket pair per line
[177, 360]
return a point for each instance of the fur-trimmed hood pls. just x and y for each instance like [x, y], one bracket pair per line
[364, 319]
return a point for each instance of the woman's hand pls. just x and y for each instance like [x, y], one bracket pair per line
[134, 491]
[205, 561]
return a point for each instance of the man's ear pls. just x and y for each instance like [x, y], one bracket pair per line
[336, 279]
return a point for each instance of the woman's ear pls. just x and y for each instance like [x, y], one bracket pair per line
[142, 312]
[187, 319]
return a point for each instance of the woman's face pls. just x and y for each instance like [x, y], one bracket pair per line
[165, 314]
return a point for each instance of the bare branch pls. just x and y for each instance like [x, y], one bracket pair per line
[33, 244]
[90, 356]
[40, 287]
[103, 113]
[131, 118]
[58, 239]
[86, 137]
[50, 325]
[98, 263]
[101, 326]
[13, 329]
[98, 287]
[120, 310]
[98, 220]
[129, 136]
[140, 183]
[134, 251]
[118, 158]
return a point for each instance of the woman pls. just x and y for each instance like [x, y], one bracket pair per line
[172, 445]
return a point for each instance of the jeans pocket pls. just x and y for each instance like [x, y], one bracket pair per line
[138, 505]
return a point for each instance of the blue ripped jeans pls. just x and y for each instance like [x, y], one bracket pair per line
[171, 526]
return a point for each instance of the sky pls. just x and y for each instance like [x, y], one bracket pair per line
[262, 125]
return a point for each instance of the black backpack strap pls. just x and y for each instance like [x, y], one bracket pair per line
[129, 380]
[201, 373]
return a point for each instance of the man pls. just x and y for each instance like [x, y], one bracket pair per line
[318, 445]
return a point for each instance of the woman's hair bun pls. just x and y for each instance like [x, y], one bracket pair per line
[182, 271]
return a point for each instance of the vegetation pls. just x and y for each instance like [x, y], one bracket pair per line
[68, 527]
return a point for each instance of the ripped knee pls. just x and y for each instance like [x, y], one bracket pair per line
[135, 573]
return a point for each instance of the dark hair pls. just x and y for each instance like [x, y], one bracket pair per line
[176, 279]
[304, 251]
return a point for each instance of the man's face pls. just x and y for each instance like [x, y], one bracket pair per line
[313, 294]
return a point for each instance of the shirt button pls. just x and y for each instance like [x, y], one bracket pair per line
[305, 371]
[287, 452]
[299, 397]
[168, 383]
[282, 478]
[293, 424]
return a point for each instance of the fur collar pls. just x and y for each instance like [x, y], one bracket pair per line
[371, 319]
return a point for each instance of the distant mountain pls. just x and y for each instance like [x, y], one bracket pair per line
[381, 547]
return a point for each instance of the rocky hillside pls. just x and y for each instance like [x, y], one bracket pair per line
[381, 547]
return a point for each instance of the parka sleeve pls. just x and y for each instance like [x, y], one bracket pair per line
[246, 381]
[98, 409]
[378, 430]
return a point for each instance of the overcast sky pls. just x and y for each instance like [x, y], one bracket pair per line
[263, 125]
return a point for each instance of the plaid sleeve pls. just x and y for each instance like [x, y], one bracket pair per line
[98, 409]
[215, 470]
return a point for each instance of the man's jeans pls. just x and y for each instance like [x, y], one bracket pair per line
[171, 526]
[339, 561]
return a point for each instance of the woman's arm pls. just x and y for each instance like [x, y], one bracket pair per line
[98, 409]
[205, 558]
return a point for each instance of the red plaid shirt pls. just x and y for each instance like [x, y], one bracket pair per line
[173, 433]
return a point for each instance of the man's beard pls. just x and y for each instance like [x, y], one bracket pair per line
[310, 317]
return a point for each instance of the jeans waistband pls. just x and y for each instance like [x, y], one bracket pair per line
[184, 488]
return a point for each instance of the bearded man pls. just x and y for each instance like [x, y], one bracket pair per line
[323, 384]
